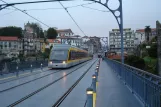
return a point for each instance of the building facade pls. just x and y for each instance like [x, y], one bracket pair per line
[96, 44]
[10, 44]
[75, 40]
[140, 35]
[49, 43]
[29, 40]
[128, 40]
[85, 44]
[64, 32]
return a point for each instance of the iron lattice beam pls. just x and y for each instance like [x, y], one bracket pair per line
[119, 19]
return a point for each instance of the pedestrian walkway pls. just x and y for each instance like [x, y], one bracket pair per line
[112, 92]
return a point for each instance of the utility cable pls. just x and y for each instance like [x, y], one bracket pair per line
[72, 18]
[79, 5]
[23, 11]
[94, 9]
[8, 13]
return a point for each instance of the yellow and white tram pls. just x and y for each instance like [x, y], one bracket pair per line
[64, 56]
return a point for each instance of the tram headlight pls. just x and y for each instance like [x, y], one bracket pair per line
[64, 62]
[50, 62]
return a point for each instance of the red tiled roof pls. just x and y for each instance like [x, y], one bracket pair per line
[85, 37]
[8, 38]
[64, 30]
[53, 41]
[142, 30]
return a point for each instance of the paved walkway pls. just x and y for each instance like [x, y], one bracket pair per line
[112, 92]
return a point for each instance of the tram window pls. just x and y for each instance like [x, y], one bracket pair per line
[71, 55]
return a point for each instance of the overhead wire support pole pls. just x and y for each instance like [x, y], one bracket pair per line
[119, 19]
[121, 30]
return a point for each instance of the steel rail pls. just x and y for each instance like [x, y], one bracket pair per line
[30, 81]
[42, 88]
[62, 98]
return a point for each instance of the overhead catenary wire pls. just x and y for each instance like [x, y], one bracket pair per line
[72, 18]
[79, 5]
[8, 13]
[94, 9]
[23, 11]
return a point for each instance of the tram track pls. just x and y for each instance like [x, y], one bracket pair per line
[44, 87]
[62, 98]
[1, 91]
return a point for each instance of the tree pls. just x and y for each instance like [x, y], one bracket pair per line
[37, 29]
[52, 33]
[147, 32]
[11, 31]
[153, 51]
[51, 47]
[135, 61]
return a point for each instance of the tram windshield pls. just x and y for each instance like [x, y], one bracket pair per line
[59, 55]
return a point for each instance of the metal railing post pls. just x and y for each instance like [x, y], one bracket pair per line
[17, 71]
[132, 82]
[145, 85]
[41, 66]
[31, 67]
[89, 93]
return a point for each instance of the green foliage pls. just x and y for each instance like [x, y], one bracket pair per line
[11, 31]
[143, 46]
[46, 53]
[154, 39]
[52, 33]
[153, 51]
[51, 47]
[151, 64]
[37, 29]
[135, 61]
[144, 54]
[21, 57]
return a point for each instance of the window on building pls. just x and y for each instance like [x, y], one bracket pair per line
[9, 44]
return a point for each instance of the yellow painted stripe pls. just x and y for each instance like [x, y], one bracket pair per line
[94, 99]
[96, 85]
[69, 61]
[8, 77]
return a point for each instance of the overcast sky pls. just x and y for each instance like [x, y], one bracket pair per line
[136, 14]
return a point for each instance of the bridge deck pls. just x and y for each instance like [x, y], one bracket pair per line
[112, 92]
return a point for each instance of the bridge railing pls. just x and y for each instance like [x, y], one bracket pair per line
[145, 85]
[11, 67]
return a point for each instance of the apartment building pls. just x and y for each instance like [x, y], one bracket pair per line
[10, 44]
[128, 40]
[140, 35]
[64, 32]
